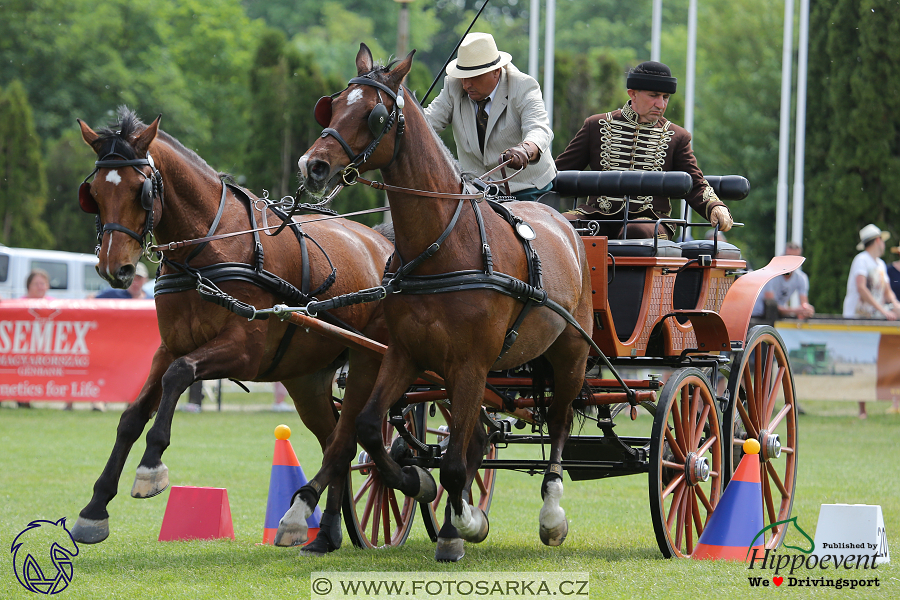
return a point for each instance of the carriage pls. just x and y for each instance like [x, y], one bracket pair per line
[625, 325]
[682, 308]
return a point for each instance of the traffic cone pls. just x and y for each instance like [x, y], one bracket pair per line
[738, 517]
[287, 477]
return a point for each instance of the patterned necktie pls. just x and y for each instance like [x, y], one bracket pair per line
[481, 119]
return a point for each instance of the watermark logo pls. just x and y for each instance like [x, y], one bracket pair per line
[42, 557]
[783, 566]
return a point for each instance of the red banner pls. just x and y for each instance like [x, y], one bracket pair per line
[76, 350]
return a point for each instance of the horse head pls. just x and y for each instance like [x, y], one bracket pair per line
[125, 193]
[363, 125]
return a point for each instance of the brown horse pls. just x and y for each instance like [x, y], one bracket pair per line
[164, 187]
[457, 334]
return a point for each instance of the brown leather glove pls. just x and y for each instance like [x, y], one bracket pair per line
[722, 217]
[517, 155]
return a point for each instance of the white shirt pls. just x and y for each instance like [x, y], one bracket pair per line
[875, 272]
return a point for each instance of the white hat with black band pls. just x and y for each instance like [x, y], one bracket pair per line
[477, 55]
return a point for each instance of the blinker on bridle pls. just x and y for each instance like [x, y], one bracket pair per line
[150, 190]
[380, 122]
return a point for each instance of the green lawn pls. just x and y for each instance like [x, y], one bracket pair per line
[51, 458]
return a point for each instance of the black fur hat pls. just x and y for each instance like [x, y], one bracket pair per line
[652, 76]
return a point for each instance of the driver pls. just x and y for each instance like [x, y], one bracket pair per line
[637, 137]
[496, 111]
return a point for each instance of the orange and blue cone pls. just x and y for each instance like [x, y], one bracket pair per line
[738, 518]
[287, 477]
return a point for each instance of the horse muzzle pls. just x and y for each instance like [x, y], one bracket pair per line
[121, 278]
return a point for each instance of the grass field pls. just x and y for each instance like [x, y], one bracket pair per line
[51, 458]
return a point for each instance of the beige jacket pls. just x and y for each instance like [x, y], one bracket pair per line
[517, 115]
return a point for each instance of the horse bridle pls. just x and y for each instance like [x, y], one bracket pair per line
[380, 123]
[151, 189]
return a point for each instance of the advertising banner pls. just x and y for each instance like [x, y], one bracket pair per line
[76, 350]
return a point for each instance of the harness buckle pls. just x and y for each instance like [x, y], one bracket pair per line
[352, 172]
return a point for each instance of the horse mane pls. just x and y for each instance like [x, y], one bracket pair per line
[119, 136]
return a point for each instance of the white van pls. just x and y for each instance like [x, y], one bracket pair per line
[72, 275]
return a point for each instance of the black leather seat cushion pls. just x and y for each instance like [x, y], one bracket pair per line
[695, 248]
[644, 247]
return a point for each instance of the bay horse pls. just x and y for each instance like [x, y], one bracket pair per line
[146, 181]
[457, 334]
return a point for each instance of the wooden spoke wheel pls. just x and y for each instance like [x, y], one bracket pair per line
[376, 515]
[762, 405]
[438, 432]
[685, 461]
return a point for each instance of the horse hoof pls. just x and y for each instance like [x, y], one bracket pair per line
[291, 535]
[318, 547]
[292, 528]
[427, 486]
[555, 536]
[478, 533]
[150, 482]
[89, 531]
[449, 549]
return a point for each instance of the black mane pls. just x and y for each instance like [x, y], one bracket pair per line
[118, 137]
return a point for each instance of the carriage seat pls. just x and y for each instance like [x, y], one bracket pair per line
[724, 250]
[644, 248]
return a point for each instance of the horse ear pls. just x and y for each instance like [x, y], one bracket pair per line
[364, 61]
[142, 141]
[401, 70]
[87, 134]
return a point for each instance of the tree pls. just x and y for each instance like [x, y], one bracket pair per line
[853, 156]
[70, 160]
[23, 185]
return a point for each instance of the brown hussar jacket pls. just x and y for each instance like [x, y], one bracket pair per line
[616, 142]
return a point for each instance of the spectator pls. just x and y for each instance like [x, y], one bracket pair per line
[37, 284]
[780, 290]
[869, 294]
[280, 395]
[893, 272]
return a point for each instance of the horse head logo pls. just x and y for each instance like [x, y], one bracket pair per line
[42, 556]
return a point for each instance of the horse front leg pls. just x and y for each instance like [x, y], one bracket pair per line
[397, 373]
[460, 462]
[235, 355]
[92, 525]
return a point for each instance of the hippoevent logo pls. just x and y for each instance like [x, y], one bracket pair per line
[782, 565]
[42, 557]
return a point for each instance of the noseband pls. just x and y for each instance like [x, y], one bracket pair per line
[151, 189]
[376, 118]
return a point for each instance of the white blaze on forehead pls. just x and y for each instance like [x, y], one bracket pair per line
[354, 96]
[113, 177]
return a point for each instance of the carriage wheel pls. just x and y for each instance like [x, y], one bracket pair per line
[763, 406]
[437, 432]
[685, 462]
[376, 515]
